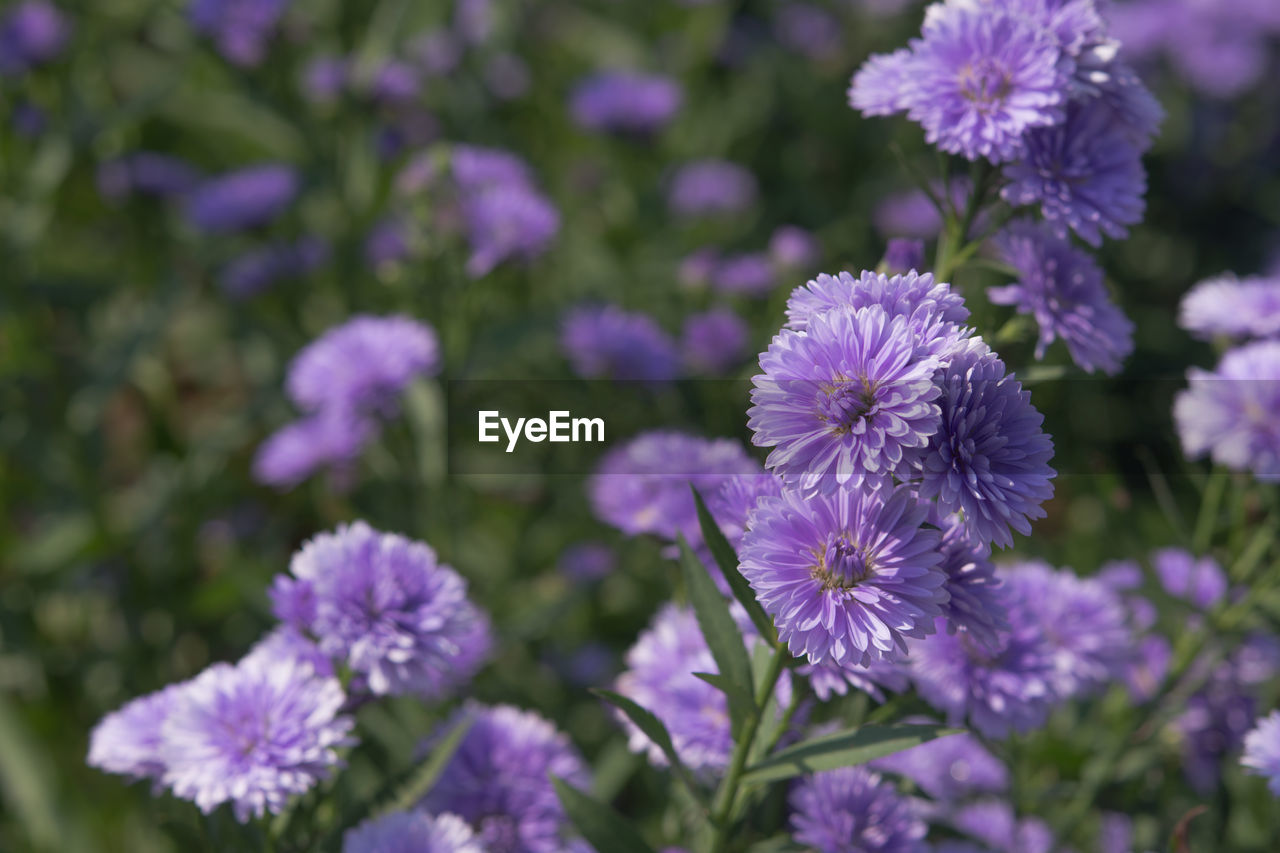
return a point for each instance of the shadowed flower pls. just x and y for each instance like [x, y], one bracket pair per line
[830, 678]
[606, 342]
[145, 173]
[32, 32]
[625, 102]
[852, 809]
[242, 199]
[1233, 413]
[258, 269]
[847, 576]
[746, 274]
[412, 831]
[792, 247]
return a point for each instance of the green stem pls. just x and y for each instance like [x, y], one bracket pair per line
[727, 795]
[1209, 507]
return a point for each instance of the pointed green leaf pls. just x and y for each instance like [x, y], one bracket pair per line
[654, 730]
[603, 827]
[426, 775]
[842, 749]
[740, 702]
[718, 628]
[727, 560]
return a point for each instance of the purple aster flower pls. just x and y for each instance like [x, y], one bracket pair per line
[507, 222]
[975, 602]
[847, 576]
[1083, 621]
[809, 30]
[852, 809]
[1233, 413]
[325, 78]
[396, 82]
[660, 677]
[242, 199]
[913, 213]
[994, 823]
[732, 503]
[1120, 91]
[587, 561]
[1232, 307]
[412, 832]
[711, 187]
[254, 734]
[715, 341]
[474, 168]
[830, 678]
[608, 342]
[363, 365]
[904, 255]
[643, 486]
[384, 605]
[31, 33]
[1084, 173]
[328, 439]
[916, 297]
[1262, 750]
[885, 84]
[145, 173]
[697, 267]
[1199, 581]
[1062, 288]
[240, 28]
[499, 781]
[746, 274]
[949, 768]
[128, 741]
[849, 400]
[990, 457]
[792, 247]
[258, 269]
[387, 243]
[625, 102]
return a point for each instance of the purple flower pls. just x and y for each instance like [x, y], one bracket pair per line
[383, 605]
[913, 213]
[31, 33]
[711, 187]
[904, 255]
[848, 400]
[792, 247]
[715, 341]
[1084, 173]
[254, 734]
[507, 222]
[1062, 288]
[1233, 413]
[1262, 750]
[949, 768]
[830, 678]
[994, 823]
[475, 168]
[697, 267]
[884, 85]
[499, 781]
[258, 269]
[975, 603]
[325, 78]
[363, 365]
[809, 30]
[990, 457]
[128, 741]
[240, 28]
[396, 82]
[643, 486]
[660, 677]
[608, 342]
[1148, 667]
[847, 576]
[746, 274]
[145, 173]
[1199, 581]
[587, 561]
[242, 199]
[387, 243]
[916, 297]
[328, 439]
[412, 832]
[1232, 307]
[625, 102]
[852, 809]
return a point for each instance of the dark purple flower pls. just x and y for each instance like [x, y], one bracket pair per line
[1232, 307]
[146, 173]
[608, 342]
[1233, 413]
[1084, 173]
[847, 576]
[746, 274]
[904, 255]
[1199, 581]
[382, 604]
[363, 365]
[32, 32]
[793, 248]
[258, 269]
[625, 102]
[715, 341]
[412, 831]
[326, 440]
[1262, 750]
[499, 779]
[1062, 288]
[242, 199]
[976, 604]
[851, 399]
[914, 214]
[240, 28]
[990, 457]
[711, 187]
[852, 809]
[587, 561]
[643, 486]
[949, 768]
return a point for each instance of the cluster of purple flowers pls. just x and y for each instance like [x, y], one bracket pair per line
[343, 381]
[625, 102]
[268, 728]
[1232, 413]
[32, 33]
[241, 29]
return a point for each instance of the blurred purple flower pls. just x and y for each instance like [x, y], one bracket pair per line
[853, 809]
[809, 30]
[32, 32]
[412, 831]
[903, 255]
[240, 28]
[507, 76]
[437, 52]
[794, 248]
[913, 213]
[396, 82]
[146, 173]
[714, 341]
[587, 561]
[1200, 581]
[711, 187]
[473, 20]
[625, 102]
[1232, 307]
[747, 274]
[242, 199]
[1233, 413]
[129, 741]
[387, 243]
[1147, 667]
[1262, 750]
[949, 768]
[608, 342]
[697, 267]
[831, 678]
[324, 79]
[994, 823]
[326, 440]
[508, 222]
[256, 270]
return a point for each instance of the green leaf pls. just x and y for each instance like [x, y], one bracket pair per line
[603, 827]
[426, 775]
[740, 702]
[653, 729]
[843, 749]
[727, 560]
